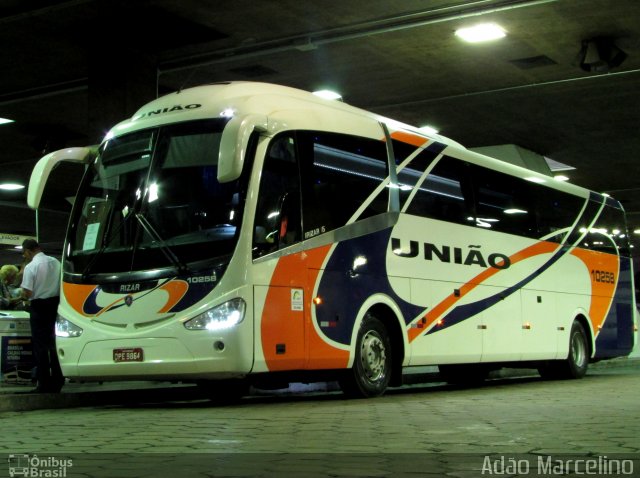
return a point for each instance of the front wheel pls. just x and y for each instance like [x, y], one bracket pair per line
[371, 371]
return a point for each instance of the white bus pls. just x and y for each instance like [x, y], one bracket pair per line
[238, 232]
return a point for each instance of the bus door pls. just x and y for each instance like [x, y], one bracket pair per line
[281, 271]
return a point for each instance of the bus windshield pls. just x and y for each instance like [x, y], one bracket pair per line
[151, 200]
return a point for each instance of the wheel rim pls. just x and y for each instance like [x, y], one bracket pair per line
[578, 350]
[373, 357]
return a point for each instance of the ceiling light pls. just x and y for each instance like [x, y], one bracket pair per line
[11, 186]
[535, 179]
[561, 177]
[328, 94]
[481, 32]
[5, 120]
[428, 129]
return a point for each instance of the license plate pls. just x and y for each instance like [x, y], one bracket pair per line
[128, 355]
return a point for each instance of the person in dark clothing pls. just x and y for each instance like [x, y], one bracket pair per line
[41, 285]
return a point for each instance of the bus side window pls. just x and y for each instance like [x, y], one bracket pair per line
[445, 194]
[609, 233]
[556, 213]
[412, 172]
[277, 219]
[504, 203]
[340, 173]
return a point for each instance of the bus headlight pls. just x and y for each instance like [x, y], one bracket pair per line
[222, 317]
[64, 328]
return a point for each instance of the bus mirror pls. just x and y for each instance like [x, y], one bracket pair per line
[234, 143]
[46, 164]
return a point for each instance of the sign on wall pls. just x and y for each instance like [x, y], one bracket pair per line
[12, 239]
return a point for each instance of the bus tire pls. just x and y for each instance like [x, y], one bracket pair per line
[371, 371]
[577, 361]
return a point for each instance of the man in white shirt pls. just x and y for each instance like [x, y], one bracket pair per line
[41, 284]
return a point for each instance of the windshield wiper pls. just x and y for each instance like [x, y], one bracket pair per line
[164, 247]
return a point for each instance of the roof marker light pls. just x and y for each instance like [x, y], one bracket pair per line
[428, 129]
[328, 94]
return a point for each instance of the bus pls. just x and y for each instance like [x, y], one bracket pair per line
[245, 233]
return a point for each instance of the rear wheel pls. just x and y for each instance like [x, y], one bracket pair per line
[371, 371]
[577, 361]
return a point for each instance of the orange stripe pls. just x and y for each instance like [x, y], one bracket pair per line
[76, 294]
[601, 292]
[294, 329]
[106, 308]
[435, 313]
[176, 290]
[412, 139]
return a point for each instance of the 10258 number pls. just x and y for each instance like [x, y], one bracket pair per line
[604, 277]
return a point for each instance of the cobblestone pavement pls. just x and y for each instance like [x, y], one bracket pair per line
[420, 430]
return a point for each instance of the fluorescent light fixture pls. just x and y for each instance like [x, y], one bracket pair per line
[5, 120]
[481, 32]
[561, 177]
[428, 129]
[11, 186]
[607, 195]
[328, 94]
[514, 211]
[535, 179]
[636, 231]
